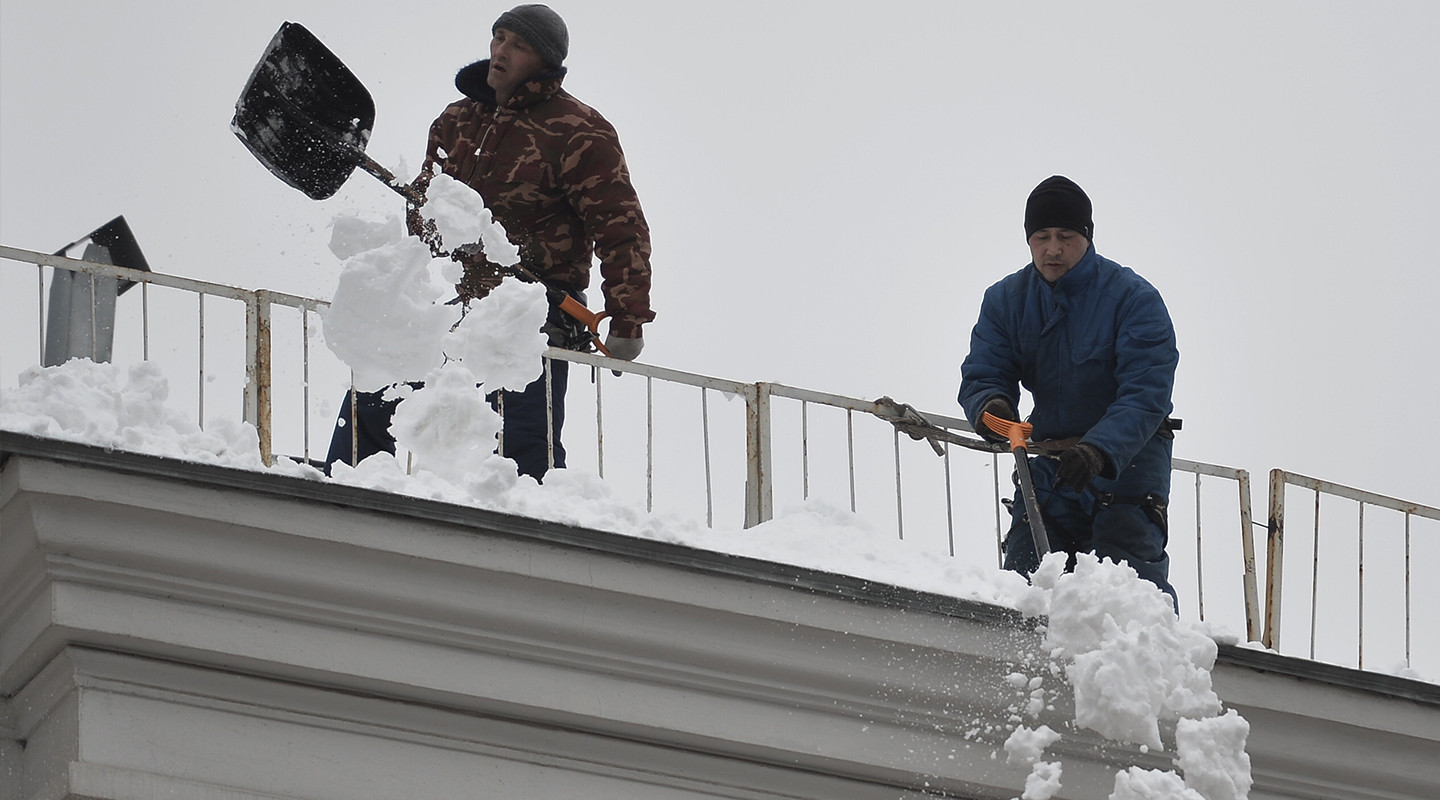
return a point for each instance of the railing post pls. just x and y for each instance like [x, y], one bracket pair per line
[1275, 559]
[258, 375]
[759, 494]
[1247, 543]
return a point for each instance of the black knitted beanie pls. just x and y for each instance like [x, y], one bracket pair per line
[1059, 202]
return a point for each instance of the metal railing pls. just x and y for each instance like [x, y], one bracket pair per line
[258, 305]
[923, 498]
[1408, 511]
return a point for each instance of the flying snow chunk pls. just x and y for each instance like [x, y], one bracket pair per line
[350, 236]
[1027, 745]
[1212, 755]
[388, 316]
[447, 422]
[461, 218]
[500, 340]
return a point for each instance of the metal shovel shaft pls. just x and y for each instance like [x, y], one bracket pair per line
[1017, 432]
[1032, 506]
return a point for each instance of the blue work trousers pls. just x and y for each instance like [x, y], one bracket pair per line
[1123, 519]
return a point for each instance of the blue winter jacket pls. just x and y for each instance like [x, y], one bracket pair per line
[1096, 351]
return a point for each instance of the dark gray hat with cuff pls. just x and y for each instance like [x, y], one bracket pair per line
[541, 27]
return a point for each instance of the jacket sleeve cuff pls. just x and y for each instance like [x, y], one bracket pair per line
[625, 328]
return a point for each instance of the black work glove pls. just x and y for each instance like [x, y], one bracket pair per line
[1001, 408]
[1079, 465]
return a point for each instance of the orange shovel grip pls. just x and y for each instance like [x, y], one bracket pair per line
[1017, 432]
[591, 320]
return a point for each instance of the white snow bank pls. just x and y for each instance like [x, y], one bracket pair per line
[123, 409]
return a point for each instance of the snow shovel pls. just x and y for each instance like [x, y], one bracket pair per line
[1018, 432]
[307, 118]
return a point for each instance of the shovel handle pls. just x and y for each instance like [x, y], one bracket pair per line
[387, 177]
[1016, 432]
[589, 318]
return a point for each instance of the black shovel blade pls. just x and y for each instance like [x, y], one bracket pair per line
[304, 114]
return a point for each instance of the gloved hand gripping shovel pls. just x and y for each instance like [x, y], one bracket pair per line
[1018, 432]
[307, 118]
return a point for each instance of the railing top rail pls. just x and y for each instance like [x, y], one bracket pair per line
[1358, 495]
[651, 371]
[856, 404]
[157, 278]
[1214, 470]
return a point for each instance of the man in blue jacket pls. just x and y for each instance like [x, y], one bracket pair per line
[1093, 344]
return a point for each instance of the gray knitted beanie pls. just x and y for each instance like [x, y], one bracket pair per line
[541, 27]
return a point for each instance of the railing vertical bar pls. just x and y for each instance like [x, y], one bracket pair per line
[850, 447]
[598, 375]
[305, 379]
[899, 498]
[202, 361]
[145, 321]
[549, 412]
[1407, 590]
[500, 409]
[1199, 553]
[354, 422]
[94, 324]
[759, 492]
[1360, 593]
[949, 504]
[1275, 560]
[40, 310]
[259, 372]
[649, 444]
[999, 535]
[1247, 543]
[1315, 576]
[805, 449]
[705, 426]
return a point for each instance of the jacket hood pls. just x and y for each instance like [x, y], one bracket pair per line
[471, 81]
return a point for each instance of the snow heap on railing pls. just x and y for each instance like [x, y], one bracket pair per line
[1110, 637]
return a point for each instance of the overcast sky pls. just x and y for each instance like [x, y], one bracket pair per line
[832, 186]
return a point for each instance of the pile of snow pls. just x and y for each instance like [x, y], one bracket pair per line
[1114, 638]
[121, 409]
[1131, 665]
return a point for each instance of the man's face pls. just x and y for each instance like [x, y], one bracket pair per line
[512, 62]
[1056, 250]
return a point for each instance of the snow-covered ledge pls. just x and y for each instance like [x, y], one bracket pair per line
[174, 629]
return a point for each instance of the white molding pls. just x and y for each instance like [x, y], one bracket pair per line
[182, 626]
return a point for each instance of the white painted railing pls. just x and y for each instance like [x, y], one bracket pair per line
[800, 445]
[1345, 585]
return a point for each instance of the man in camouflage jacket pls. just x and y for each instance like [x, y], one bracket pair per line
[551, 170]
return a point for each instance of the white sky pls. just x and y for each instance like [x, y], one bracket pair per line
[832, 186]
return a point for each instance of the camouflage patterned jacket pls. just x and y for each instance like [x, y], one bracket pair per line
[551, 170]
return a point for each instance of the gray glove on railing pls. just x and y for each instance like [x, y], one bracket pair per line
[623, 348]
